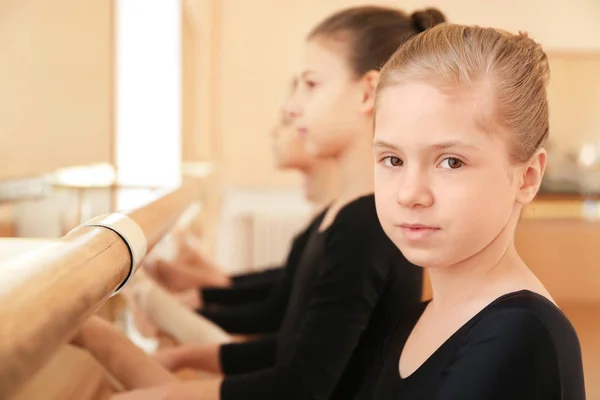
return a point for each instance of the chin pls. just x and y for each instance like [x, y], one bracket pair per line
[320, 149]
[312, 149]
[288, 165]
[423, 257]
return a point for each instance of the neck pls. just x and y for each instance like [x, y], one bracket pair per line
[492, 270]
[320, 184]
[356, 169]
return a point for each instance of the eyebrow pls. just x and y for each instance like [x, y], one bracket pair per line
[305, 73]
[385, 145]
[440, 146]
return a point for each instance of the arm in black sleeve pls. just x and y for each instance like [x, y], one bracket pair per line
[339, 311]
[239, 358]
[246, 288]
[237, 295]
[263, 316]
[258, 317]
[507, 355]
[267, 276]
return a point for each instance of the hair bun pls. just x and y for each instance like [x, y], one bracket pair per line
[427, 18]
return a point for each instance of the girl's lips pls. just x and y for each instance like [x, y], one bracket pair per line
[417, 232]
[302, 132]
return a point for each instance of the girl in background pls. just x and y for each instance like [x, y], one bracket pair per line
[320, 188]
[351, 283]
[247, 311]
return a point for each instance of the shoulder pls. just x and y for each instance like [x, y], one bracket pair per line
[356, 235]
[356, 232]
[356, 246]
[524, 338]
[357, 220]
[360, 210]
[520, 327]
[507, 344]
[510, 350]
[532, 331]
[525, 313]
[302, 236]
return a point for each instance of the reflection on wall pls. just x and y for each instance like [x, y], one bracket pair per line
[574, 144]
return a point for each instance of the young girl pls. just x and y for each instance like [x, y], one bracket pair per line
[454, 170]
[351, 282]
[249, 310]
[320, 187]
[258, 305]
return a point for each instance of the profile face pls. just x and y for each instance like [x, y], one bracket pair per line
[327, 100]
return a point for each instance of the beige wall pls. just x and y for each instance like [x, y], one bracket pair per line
[55, 84]
[574, 95]
[260, 45]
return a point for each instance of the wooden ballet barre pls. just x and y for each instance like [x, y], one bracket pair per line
[47, 294]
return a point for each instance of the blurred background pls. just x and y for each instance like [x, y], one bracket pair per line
[104, 104]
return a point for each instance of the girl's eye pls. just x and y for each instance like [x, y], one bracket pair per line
[310, 84]
[451, 163]
[392, 161]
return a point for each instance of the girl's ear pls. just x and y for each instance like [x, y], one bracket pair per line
[368, 85]
[531, 177]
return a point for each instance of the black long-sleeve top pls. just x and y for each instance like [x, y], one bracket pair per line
[350, 285]
[245, 288]
[265, 316]
[520, 347]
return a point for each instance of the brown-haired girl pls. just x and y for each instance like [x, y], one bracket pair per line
[351, 282]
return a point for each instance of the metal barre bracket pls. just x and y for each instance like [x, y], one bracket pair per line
[131, 233]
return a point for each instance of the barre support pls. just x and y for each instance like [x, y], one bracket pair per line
[131, 233]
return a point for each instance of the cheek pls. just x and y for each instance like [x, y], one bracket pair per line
[383, 184]
[384, 211]
[326, 110]
[476, 197]
[324, 138]
[476, 213]
[318, 106]
[385, 198]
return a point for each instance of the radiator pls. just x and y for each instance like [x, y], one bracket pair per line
[257, 228]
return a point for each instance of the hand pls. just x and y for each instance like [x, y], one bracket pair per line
[170, 359]
[77, 340]
[215, 278]
[177, 278]
[140, 320]
[189, 252]
[90, 324]
[188, 390]
[156, 393]
[190, 298]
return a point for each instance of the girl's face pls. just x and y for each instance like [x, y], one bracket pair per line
[445, 188]
[328, 104]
